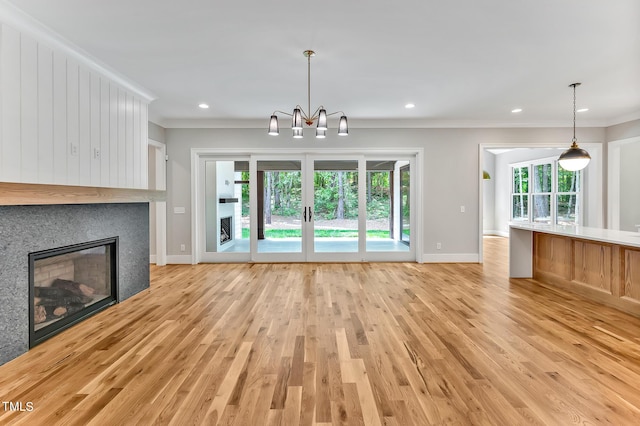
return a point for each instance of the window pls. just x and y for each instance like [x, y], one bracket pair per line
[568, 197]
[520, 194]
[553, 193]
[541, 192]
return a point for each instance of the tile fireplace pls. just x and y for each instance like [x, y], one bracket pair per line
[37, 230]
[68, 284]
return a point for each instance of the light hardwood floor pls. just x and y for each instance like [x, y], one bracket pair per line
[373, 344]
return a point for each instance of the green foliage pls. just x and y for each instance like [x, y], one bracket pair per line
[521, 180]
[327, 194]
[378, 208]
[568, 181]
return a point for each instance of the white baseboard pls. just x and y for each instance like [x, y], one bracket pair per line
[451, 258]
[152, 258]
[497, 233]
[179, 259]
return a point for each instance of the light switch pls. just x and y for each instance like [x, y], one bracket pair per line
[178, 210]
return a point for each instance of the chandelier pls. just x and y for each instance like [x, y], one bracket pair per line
[300, 115]
[575, 158]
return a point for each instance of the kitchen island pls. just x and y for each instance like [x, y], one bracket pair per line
[600, 264]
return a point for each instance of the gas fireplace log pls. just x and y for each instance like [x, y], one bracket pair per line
[74, 287]
[39, 314]
[60, 295]
[54, 312]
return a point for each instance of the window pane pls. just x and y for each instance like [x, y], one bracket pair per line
[568, 181]
[542, 208]
[542, 176]
[520, 180]
[520, 208]
[567, 209]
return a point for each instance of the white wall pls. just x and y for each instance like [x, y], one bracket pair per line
[64, 121]
[450, 178]
[489, 195]
[629, 186]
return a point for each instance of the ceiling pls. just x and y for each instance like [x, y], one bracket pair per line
[461, 62]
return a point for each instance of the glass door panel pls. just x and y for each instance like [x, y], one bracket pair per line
[405, 205]
[335, 206]
[387, 203]
[279, 206]
[223, 215]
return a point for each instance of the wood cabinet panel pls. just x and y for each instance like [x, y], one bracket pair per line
[604, 272]
[631, 278]
[592, 265]
[552, 254]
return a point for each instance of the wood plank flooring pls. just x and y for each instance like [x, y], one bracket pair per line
[320, 344]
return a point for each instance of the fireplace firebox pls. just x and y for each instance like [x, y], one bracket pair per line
[68, 284]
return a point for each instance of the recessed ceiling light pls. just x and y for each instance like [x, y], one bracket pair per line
[516, 110]
[582, 110]
[409, 106]
[203, 106]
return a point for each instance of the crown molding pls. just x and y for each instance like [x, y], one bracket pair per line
[211, 123]
[624, 119]
[26, 24]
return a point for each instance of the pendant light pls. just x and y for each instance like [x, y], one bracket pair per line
[575, 158]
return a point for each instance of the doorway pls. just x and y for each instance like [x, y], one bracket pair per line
[305, 207]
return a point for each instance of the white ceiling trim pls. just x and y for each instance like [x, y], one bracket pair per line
[374, 124]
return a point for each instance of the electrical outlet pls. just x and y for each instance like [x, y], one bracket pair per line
[438, 246]
[462, 209]
[73, 149]
[183, 247]
[96, 153]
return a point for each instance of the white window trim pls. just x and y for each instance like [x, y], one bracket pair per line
[554, 187]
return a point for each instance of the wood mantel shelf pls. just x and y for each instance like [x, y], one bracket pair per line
[18, 194]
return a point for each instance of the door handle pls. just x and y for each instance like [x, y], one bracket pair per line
[304, 215]
[310, 214]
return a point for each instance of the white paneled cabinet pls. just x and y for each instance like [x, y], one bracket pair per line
[63, 122]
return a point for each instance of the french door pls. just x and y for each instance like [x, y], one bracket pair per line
[346, 208]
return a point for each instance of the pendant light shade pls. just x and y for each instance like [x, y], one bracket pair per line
[575, 158]
[297, 133]
[321, 133]
[343, 127]
[322, 120]
[273, 126]
[297, 119]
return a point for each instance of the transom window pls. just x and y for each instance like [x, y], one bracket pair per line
[543, 192]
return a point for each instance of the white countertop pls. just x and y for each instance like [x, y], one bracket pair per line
[612, 236]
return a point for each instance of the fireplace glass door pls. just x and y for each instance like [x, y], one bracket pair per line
[69, 283]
